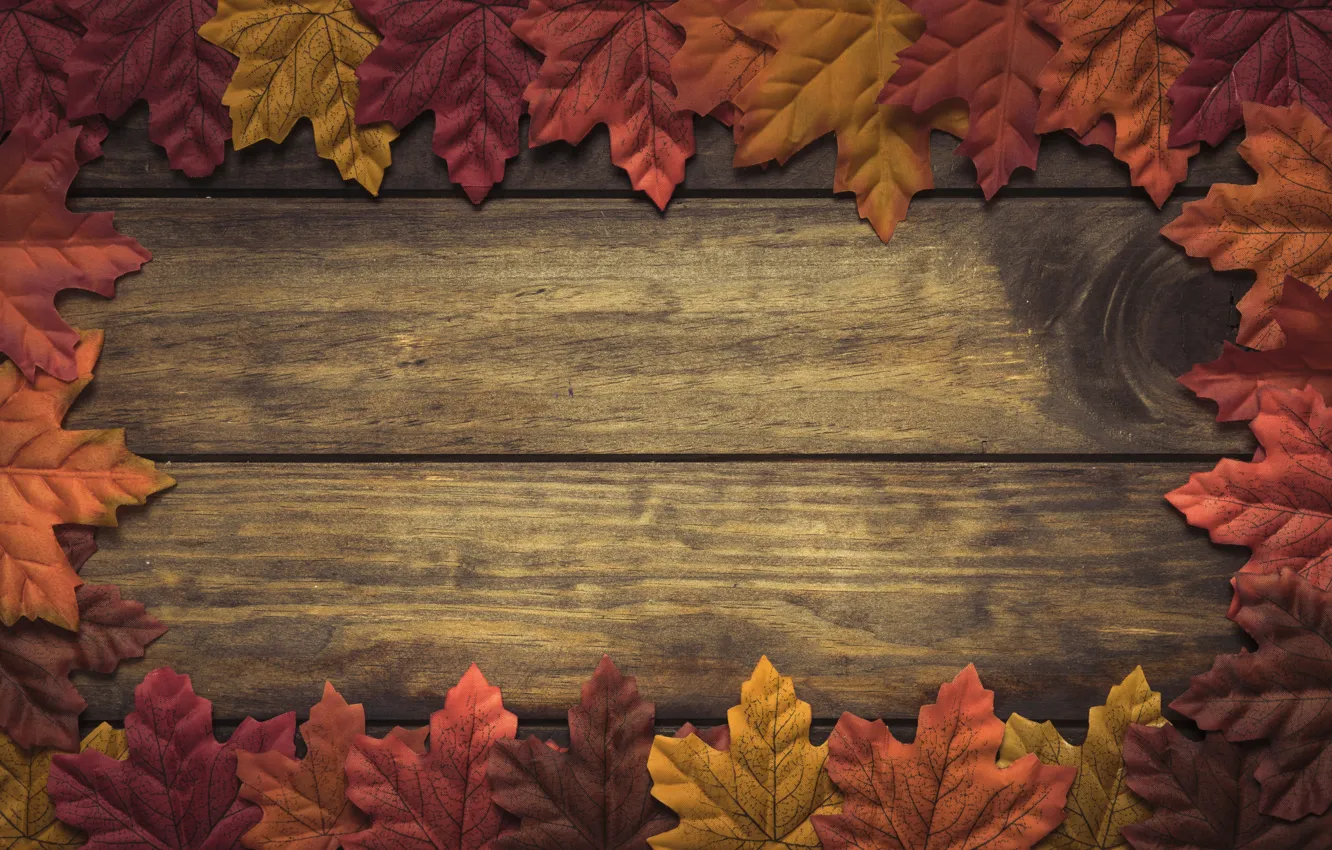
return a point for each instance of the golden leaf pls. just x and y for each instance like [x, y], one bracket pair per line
[27, 818]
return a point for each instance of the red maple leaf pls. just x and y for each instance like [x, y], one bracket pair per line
[1279, 505]
[178, 789]
[1273, 52]
[1205, 797]
[595, 794]
[1282, 693]
[151, 50]
[1233, 379]
[438, 798]
[989, 54]
[609, 62]
[945, 790]
[39, 705]
[460, 60]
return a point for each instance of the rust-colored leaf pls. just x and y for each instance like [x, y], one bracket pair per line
[716, 60]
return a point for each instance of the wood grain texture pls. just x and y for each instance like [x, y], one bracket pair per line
[869, 583]
[414, 326]
[133, 163]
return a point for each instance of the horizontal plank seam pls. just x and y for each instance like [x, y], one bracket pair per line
[778, 457]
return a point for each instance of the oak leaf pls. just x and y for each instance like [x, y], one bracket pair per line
[944, 791]
[39, 705]
[298, 60]
[1281, 693]
[988, 54]
[831, 61]
[439, 798]
[1205, 797]
[304, 801]
[1113, 61]
[45, 248]
[460, 60]
[27, 816]
[758, 792]
[594, 795]
[1268, 52]
[1099, 804]
[610, 63]
[1234, 378]
[151, 50]
[1279, 226]
[50, 476]
[177, 790]
[716, 60]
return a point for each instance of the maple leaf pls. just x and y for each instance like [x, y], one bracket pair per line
[1281, 693]
[988, 54]
[177, 790]
[1206, 798]
[39, 705]
[438, 798]
[1280, 226]
[27, 817]
[50, 476]
[943, 792]
[1112, 61]
[45, 248]
[1280, 505]
[150, 50]
[609, 63]
[716, 60]
[593, 795]
[1270, 52]
[36, 37]
[831, 60]
[461, 60]
[1234, 378]
[305, 802]
[759, 791]
[298, 60]
[1099, 804]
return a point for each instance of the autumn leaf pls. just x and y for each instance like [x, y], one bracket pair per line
[304, 801]
[594, 795]
[1280, 226]
[1206, 798]
[1112, 61]
[988, 54]
[1234, 378]
[178, 789]
[609, 63]
[1268, 52]
[39, 705]
[27, 816]
[45, 248]
[831, 60]
[438, 798]
[50, 476]
[298, 60]
[460, 60]
[150, 50]
[716, 60]
[759, 791]
[1279, 505]
[944, 791]
[1099, 804]
[36, 38]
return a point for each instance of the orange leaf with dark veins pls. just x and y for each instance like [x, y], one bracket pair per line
[716, 61]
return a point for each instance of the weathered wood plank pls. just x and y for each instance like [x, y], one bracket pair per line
[571, 326]
[869, 583]
[132, 162]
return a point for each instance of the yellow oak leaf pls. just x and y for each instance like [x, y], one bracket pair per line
[759, 793]
[27, 817]
[832, 60]
[1099, 804]
[298, 60]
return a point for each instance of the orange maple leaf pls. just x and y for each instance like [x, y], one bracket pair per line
[50, 476]
[1279, 226]
[716, 60]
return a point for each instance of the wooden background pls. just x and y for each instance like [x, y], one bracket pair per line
[410, 434]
